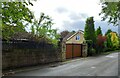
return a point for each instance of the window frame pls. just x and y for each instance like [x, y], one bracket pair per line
[77, 37]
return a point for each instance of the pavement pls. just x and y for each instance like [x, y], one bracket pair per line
[104, 65]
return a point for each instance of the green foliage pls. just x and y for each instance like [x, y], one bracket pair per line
[111, 11]
[114, 39]
[98, 31]
[89, 32]
[89, 43]
[108, 31]
[14, 17]
[42, 29]
[109, 42]
[92, 51]
[112, 42]
[119, 44]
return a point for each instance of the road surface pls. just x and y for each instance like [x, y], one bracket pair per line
[105, 65]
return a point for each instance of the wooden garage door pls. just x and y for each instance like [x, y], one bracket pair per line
[68, 50]
[73, 50]
[76, 50]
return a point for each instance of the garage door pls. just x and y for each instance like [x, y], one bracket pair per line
[69, 50]
[73, 50]
[76, 50]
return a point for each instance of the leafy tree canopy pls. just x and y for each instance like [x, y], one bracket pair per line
[111, 11]
[15, 15]
[109, 42]
[89, 35]
[114, 39]
[42, 29]
[108, 31]
[98, 31]
[89, 32]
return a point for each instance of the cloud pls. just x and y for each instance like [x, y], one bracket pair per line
[76, 25]
[79, 25]
[74, 13]
[61, 10]
[80, 16]
[84, 15]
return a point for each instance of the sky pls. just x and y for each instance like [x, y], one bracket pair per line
[71, 14]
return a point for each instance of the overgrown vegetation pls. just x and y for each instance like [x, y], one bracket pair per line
[97, 42]
[98, 31]
[89, 34]
[111, 11]
[16, 16]
[42, 29]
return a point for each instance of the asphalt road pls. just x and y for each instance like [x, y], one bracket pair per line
[105, 65]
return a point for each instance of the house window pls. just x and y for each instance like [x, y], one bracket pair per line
[77, 37]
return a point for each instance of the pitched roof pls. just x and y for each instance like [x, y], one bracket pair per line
[71, 34]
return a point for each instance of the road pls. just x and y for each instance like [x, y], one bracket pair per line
[105, 65]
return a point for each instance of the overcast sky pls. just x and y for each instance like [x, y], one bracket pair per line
[71, 14]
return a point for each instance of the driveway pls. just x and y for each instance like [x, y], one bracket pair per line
[105, 65]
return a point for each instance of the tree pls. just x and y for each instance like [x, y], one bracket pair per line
[64, 33]
[100, 43]
[114, 39]
[109, 42]
[15, 15]
[108, 31]
[111, 11]
[41, 29]
[98, 31]
[119, 43]
[89, 34]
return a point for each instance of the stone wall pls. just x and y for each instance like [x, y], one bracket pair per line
[17, 57]
[84, 50]
[63, 48]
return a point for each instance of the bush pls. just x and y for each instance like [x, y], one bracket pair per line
[91, 51]
[109, 49]
[119, 47]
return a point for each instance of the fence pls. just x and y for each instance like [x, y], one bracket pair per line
[20, 53]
